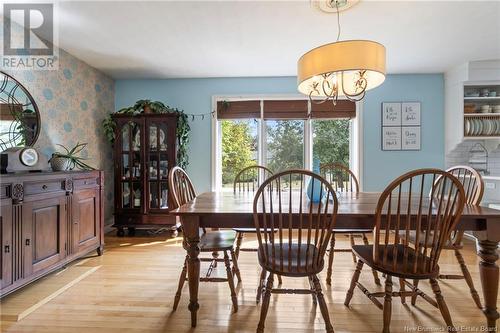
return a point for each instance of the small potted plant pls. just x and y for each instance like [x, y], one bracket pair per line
[68, 159]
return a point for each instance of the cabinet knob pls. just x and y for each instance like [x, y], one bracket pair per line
[7, 249]
[44, 187]
[28, 242]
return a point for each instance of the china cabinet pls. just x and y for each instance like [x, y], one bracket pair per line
[145, 150]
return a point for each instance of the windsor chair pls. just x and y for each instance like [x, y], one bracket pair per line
[401, 208]
[473, 185]
[303, 228]
[343, 180]
[183, 191]
[248, 181]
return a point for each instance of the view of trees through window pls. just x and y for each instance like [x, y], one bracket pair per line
[239, 147]
[284, 144]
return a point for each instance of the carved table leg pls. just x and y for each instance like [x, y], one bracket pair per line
[488, 271]
[190, 225]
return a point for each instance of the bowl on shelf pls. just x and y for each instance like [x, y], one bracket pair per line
[485, 92]
[484, 109]
[492, 94]
[495, 109]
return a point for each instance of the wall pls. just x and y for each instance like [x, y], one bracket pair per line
[195, 96]
[73, 101]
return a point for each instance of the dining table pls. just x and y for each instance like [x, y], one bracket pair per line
[355, 210]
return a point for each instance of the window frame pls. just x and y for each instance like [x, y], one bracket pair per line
[355, 137]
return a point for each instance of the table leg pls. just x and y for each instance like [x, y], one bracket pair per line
[488, 271]
[190, 226]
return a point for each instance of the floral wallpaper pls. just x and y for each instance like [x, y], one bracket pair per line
[73, 101]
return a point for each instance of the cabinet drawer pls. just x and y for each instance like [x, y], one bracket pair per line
[5, 191]
[43, 187]
[84, 182]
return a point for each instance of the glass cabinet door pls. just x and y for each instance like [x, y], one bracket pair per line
[130, 173]
[158, 163]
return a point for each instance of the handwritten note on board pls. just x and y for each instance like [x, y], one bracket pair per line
[410, 114]
[391, 138]
[410, 137]
[391, 114]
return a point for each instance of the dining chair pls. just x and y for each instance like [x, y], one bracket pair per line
[248, 181]
[403, 207]
[473, 185]
[182, 191]
[343, 180]
[303, 228]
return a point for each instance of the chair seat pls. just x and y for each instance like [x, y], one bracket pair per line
[252, 230]
[352, 231]
[403, 269]
[217, 240]
[291, 264]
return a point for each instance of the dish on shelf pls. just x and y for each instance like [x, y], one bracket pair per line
[471, 94]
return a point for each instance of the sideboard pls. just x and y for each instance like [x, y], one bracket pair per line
[47, 219]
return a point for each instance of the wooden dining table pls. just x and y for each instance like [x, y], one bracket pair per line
[355, 210]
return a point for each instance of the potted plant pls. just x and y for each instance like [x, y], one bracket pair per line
[68, 159]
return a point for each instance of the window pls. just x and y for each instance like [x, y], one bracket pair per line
[239, 148]
[285, 144]
[281, 135]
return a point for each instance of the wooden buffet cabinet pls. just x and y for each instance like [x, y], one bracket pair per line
[47, 219]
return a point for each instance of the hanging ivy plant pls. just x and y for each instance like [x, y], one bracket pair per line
[147, 106]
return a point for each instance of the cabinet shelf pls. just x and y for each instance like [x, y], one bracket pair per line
[482, 115]
[482, 99]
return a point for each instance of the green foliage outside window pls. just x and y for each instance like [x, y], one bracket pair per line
[331, 141]
[238, 146]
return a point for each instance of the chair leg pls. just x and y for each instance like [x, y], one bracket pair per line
[402, 289]
[261, 285]
[354, 280]
[230, 281]
[468, 278]
[265, 303]
[280, 281]
[374, 272]
[387, 304]
[313, 288]
[414, 295]
[351, 237]
[322, 304]
[236, 270]
[330, 260]
[215, 255]
[182, 279]
[239, 240]
[442, 305]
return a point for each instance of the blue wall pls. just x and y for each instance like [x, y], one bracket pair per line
[195, 96]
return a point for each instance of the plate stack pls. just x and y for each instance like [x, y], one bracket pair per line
[482, 127]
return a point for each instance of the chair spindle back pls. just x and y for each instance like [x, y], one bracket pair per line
[281, 204]
[181, 187]
[250, 178]
[403, 207]
[471, 181]
[340, 177]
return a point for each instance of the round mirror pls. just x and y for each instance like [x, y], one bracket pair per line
[19, 116]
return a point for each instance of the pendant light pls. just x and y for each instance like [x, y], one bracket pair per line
[344, 68]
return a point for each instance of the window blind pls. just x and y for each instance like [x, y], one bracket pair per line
[285, 109]
[343, 109]
[238, 109]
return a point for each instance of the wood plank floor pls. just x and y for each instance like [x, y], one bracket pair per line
[134, 288]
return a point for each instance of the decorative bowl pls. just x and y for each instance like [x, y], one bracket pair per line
[59, 163]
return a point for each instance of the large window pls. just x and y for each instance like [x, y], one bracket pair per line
[279, 136]
[285, 144]
[239, 147]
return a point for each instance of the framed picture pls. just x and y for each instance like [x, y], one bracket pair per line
[410, 114]
[410, 138]
[391, 138]
[391, 114]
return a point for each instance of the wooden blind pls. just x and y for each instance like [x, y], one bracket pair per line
[343, 109]
[7, 109]
[285, 109]
[238, 109]
[289, 109]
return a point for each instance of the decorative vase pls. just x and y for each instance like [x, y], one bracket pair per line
[59, 163]
[314, 192]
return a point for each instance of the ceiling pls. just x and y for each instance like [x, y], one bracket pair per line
[159, 39]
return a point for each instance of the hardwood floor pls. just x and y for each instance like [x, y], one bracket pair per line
[134, 289]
